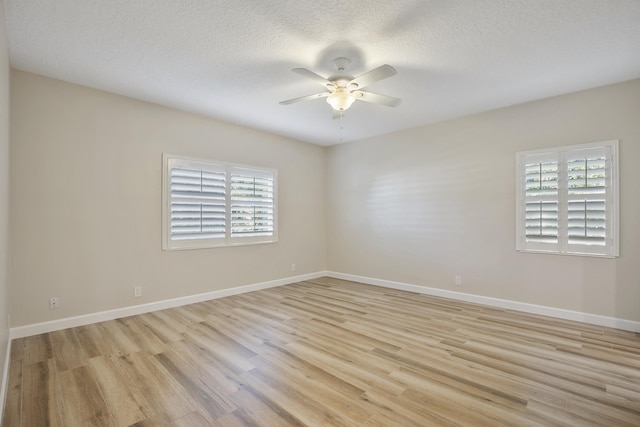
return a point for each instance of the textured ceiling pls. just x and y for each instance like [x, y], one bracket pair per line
[232, 60]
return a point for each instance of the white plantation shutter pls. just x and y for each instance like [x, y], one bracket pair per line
[590, 200]
[567, 200]
[212, 204]
[252, 203]
[541, 199]
[198, 203]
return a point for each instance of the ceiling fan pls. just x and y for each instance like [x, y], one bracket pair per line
[342, 89]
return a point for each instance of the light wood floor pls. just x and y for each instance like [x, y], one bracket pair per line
[327, 352]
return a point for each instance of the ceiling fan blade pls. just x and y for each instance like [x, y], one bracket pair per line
[389, 101]
[305, 98]
[310, 74]
[382, 72]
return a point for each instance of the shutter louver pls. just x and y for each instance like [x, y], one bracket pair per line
[541, 202]
[197, 204]
[252, 204]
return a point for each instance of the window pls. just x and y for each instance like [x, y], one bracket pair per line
[567, 200]
[207, 204]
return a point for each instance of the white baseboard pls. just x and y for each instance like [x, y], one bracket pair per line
[594, 319]
[71, 322]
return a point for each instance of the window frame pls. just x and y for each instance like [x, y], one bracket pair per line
[563, 155]
[230, 239]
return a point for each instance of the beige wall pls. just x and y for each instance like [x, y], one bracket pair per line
[4, 196]
[423, 205]
[86, 202]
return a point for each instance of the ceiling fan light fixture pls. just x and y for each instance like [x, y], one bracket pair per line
[341, 99]
[342, 89]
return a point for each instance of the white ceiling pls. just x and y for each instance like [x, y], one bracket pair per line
[232, 60]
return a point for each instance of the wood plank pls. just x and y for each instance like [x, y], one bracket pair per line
[44, 404]
[142, 335]
[225, 352]
[84, 404]
[259, 411]
[115, 333]
[124, 399]
[13, 407]
[17, 349]
[299, 406]
[67, 351]
[167, 398]
[194, 419]
[213, 371]
[37, 348]
[94, 341]
[206, 397]
[314, 387]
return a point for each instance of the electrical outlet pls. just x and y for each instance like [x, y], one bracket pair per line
[458, 280]
[293, 267]
[137, 291]
[54, 303]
